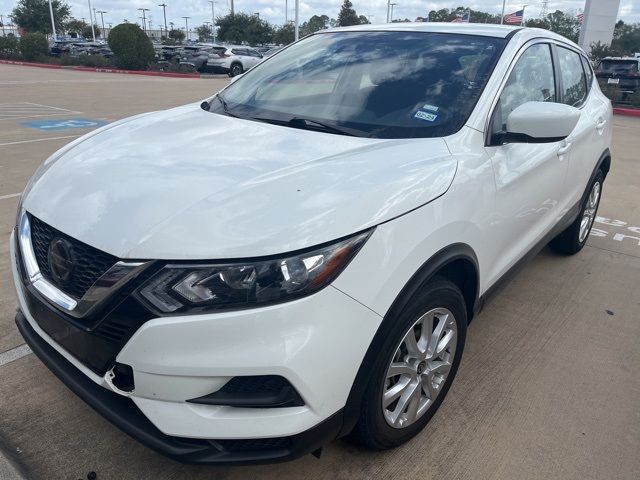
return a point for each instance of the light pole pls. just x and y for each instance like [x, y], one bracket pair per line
[2, 22]
[164, 12]
[504, 5]
[392, 5]
[53, 23]
[186, 24]
[297, 22]
[102, 12]
[213, 19]
[286, 11]
[144, 18]
[93, 30]
[369, 17]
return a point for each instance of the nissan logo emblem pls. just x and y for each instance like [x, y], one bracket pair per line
[61, 260]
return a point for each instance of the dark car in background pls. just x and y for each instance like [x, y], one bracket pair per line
[622, 72]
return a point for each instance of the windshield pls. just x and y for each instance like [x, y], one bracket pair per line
[371, 84]
[619, 66]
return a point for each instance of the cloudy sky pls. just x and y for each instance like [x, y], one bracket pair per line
[274, 10]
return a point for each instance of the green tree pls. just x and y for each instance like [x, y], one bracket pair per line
[284, 35]
[33, 45]
[132, 48]
[600, 50]
[348, 15]
[314, 24]
[626, 38]
[88, 33]
[241, 28]
[33, 15]
[363, 20]
[177, 35]
[558, 22]
[75, 27]
[205, 33]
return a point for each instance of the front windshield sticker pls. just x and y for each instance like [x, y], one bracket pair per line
[429, 117]
[430, 108]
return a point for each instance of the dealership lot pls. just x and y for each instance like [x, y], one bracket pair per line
[548, 386]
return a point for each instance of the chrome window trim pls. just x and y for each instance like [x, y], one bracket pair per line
[98, 293]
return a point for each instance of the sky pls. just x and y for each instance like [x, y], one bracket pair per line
[274, 10]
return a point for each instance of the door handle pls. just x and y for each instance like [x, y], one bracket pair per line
[600, 125]
[564, 149]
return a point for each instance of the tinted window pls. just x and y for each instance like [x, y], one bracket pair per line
[376, 84]
[586, 64]
[619, 66]
[573, 78]
[531, 80]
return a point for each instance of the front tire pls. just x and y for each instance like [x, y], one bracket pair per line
[414, 368]
[574, 238]
[236, 69]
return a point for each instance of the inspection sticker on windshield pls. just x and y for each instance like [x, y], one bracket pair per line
[429, 117]
[430, 108]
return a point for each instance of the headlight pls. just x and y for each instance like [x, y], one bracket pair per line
[196, 288]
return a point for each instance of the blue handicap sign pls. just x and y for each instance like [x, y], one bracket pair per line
[63, 123]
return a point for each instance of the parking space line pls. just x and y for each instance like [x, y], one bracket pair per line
[14, 354]
[38, 140]
[11, 195]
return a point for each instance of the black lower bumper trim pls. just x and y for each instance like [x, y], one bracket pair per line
[124, 414]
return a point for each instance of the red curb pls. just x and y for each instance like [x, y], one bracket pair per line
[100, 70]
[631, 112]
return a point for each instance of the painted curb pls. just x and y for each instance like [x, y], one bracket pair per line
[630, 112]
[102, 70]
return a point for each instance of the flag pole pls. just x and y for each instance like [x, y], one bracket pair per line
[522, 21]
[504, 4]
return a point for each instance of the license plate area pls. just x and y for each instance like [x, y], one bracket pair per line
[613, 81]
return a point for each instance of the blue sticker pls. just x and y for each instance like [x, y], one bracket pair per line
[429, 117]
[63, 124]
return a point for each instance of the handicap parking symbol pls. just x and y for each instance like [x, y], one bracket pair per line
[63, 124]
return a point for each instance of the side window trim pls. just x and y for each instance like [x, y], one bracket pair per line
[557, 73]
[557, 45]
[496, 101]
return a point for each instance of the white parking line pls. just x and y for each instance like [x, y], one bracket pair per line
[17, 110]
[14, 354]
[38, 140]
[11, 195]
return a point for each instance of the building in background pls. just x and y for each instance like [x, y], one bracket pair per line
[599, 22]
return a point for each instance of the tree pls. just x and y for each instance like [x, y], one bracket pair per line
[177, 35]
[240, 27]
[88, 33]
[33, 45]
[33, 15]
[205, 32]
[626, 38]
[284, 35]
[600, 50]
[131, 47]
[348, 15]
[558, 22]
[314, 24]
[363, 20]
[75, 27]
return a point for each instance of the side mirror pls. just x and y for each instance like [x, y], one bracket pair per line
[540, 122]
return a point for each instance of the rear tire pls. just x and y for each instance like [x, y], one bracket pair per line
[236, 69]
[574, 238]
[414, 367]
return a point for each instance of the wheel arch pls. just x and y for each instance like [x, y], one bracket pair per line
[457, 263]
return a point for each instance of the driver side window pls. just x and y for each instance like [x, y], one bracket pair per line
[531, 80]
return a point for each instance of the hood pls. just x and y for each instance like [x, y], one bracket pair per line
[189, 184]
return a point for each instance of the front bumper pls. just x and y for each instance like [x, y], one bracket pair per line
[317, 343]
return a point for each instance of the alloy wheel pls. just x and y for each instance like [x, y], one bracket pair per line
[589, 214]
[419, 368]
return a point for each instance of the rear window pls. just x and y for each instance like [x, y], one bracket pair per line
[619, 66]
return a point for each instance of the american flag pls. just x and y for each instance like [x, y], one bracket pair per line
[580, 17]
[464, 18]
[514, 18]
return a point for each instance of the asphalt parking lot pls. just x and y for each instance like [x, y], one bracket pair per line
[548, 387]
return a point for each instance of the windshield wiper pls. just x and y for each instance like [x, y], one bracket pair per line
[307, 124]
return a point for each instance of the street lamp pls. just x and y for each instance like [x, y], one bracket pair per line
[186, 24]
[53, 23]
[213, 19]
[92, 21]
[144, 18]
[392, 5]
[164, 11]
[297, 22]
[102, 12]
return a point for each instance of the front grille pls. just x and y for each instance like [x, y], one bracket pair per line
[90, 263]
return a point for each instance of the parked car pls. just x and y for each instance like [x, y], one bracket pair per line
[298, 258]
[623, 72]
[197, 56]
[233, 60]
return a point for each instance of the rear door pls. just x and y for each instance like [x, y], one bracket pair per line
[586, 142]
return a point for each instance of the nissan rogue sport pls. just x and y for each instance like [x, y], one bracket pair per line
[297, 258]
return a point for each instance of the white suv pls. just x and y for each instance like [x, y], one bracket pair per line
[298, 258]
[233, 60]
